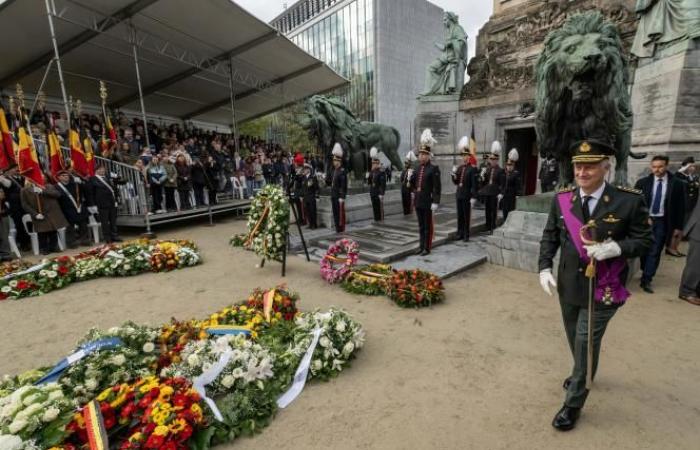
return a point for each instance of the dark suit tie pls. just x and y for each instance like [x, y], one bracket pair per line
[656, 205]
[586, 211]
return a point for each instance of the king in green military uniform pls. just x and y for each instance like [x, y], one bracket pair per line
[617, 220]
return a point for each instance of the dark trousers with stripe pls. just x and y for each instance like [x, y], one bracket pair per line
[338, 214]
[576, 326]
[310, 210]
[425, 228]
[377, 208]
[406, 201]
[464, 214]
[491, 211]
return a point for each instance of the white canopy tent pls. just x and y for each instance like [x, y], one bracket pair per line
[205, 60]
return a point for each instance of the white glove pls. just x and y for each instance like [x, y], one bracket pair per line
[77, 180]
[547, 280]
[39, 216]
[410, 173]
[454, 169]
[605, 250]
[500, 197]
[341, 200]
[472, 202]
[36, 189]
[113, 175]
[381, 197]
[92, 209]
[366, 174]
[434, 207]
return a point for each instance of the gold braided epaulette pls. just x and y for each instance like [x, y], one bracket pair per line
[566, 189]
[631, 190]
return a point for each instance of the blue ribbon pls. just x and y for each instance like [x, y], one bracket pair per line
[83, 351]
[225, 331]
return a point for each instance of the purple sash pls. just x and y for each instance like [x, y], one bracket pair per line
[608, 288]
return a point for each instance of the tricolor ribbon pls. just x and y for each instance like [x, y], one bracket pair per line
[302, 371]
[95, 426]
[268, 300]
[83, 351]
[227, 329]
[207, 377]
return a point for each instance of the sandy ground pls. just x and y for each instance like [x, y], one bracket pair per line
[482, 371]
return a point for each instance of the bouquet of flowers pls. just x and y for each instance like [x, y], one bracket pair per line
[34, 416]
[268, 223]
[10, 384]
[340, 338]
[248, 363]
[339, 260]
[415, 288]
[87, 268]
[284, 302]
[151, 413]
[370, 279]
[9, 267]
[18, 288]
[137, 357]
[173, 338]
[127, 260]
[166, 256]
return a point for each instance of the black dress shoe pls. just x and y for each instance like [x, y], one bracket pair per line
[425, 252]
[566, 418]
[566, 383]
[646, 287]
[419, 251]
[466, 239]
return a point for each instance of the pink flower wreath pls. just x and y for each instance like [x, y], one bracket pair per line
[344, 253]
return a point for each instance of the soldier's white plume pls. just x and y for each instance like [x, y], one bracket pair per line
[496, 148]
[513, 155]
[410, 156]
[373, 153]
[337, 150]
[427, 139]
[463, 143]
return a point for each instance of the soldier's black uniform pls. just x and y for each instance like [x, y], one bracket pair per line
[426, 185]
[549, 174]
[337, 179]
[466, 181]
[310, 194]
[406, 190]
[620, 215]
[494, 182]
[511, 190]
[377, 187]
[295, 190]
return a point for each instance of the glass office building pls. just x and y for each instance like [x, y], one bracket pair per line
[343, 39]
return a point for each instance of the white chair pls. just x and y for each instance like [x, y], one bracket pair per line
[237, 187]
[95, 227]
[12, 240]
[33, 235]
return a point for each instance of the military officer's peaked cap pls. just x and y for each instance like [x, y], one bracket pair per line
[590, 151]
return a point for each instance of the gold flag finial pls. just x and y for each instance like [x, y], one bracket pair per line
[103, 92]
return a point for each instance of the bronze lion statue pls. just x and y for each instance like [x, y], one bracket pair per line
[582, 92]
[328, 120]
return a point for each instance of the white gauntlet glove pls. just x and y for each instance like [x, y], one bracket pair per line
[381, 197]
[547, 280]
[39, 216]
[92, 209]
[500, 197]
[472, 202]
[341, 200]
[434, 207]
[605, 250]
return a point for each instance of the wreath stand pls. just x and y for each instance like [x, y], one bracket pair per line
[286, 242]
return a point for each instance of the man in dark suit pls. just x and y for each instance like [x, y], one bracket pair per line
[492, 189]
[73, 203]
[621, 230]
[103, 199]
[426, 185]
[464, 177]
[665, 197]
[337, 179]
[376, 179]
[310, 192]
[406, 174]
[690, 280]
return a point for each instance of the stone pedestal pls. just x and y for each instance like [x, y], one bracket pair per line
[358, 206]
[441, 114]
[666, 104]
[516, 244]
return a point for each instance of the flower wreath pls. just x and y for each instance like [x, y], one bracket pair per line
[268, 223]
[368, 280]
[344, 253]
[415, 288]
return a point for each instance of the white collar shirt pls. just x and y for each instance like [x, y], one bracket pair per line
[664, 189]
[595, 196]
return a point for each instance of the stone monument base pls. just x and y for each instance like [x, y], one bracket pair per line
[358, 207]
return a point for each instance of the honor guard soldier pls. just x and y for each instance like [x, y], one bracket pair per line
[464, 177]
[549, 173]
[377, 185]
[597, 227]
[295, 187]
[337, 179]
[426, 185]
[512, 185]
[493, 181]
[310, 192]
[406, 174]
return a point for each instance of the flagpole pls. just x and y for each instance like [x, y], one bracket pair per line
[57, 57]
[138, 81]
